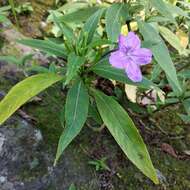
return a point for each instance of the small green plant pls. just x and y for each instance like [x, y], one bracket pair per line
[4, 12]
[90, 51]
[72, 187]
[24, 8]
[12, 4]
[100, 164]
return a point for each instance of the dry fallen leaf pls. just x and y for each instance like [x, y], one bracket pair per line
[25, 116]
[169, 149]
[113, 82]
[183, 37]
[161, 95]
[131, 92]
[187, 152]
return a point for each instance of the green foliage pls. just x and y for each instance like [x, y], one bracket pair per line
[17, 61]
[91, 24]
[24, 91]
[86, 36]
[46, 46]
[162, 7]
[171, 38]
[114, 20]
[4, 13]
[73, 66]
[24, 8]
[161, 55]
[100, 164]
[63, 28]
[125, 133]
[72, 187]
[79, 15]
[104, 69]
[12, 4]
[76, 112]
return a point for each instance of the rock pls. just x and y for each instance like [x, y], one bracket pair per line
[3, 179]
[27, 163]
[2, 139]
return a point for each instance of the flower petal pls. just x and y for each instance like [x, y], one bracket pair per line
[122, 43]
[132, 41]
[141, 56]
[118, 59]
[133, 72]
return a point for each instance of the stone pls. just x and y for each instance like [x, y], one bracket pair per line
[2, 139]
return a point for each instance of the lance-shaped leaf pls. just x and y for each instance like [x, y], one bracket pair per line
[125, 133]
[73, 66]
[79, 15]
[65, 29]
[92, 23]
[171, 38]
[115, 18]
[76, 112]
[46, 46]
[163, 9]
[23, 91]
[15, 60]
[161, 55]
[176, 10]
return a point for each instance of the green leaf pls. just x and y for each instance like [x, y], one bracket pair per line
[159, 19]
[72, 187]
[185, 118]
[11, 59]
[73, 65]
[186, 104]
[73, 6]
[171, 38]
[79, 15]
[38, 69]
[99, 42]
[184, 74]
[5, 8]
[65, 29]
[161, 55]
[177, 10]
[15, 60]
[114, 20]
[162, 7]
[46, 46]
[92, 23]
[94, 114]
[23, 91]
[3, 18]
[76, 112]
[12, 4]
[125, 133]
[104, 69]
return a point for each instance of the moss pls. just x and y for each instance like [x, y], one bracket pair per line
[97, 145]
[47, 115]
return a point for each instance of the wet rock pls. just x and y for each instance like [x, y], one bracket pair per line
[26, 164]
[2, 139]
[3, 179]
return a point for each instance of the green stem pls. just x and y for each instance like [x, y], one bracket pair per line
[11, 2]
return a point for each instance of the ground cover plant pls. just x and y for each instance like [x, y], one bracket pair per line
[113, 41]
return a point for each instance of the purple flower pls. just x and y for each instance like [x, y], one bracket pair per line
[130, 56]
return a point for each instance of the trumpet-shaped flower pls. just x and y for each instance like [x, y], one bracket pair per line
[130, 56]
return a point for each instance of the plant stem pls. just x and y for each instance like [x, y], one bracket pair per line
[11, 2]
